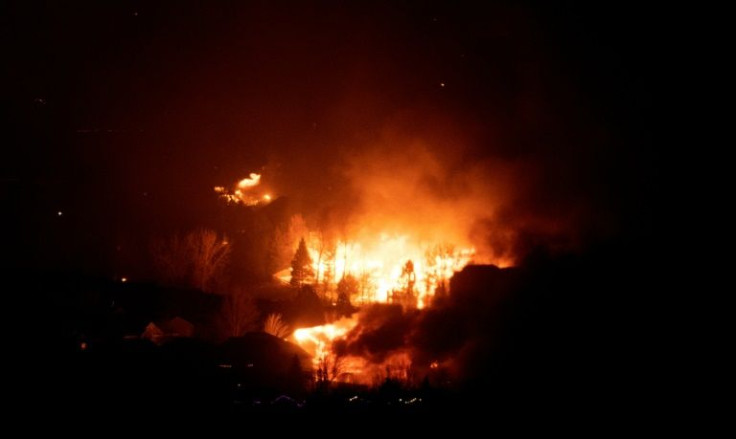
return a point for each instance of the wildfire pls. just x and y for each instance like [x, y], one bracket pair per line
[244, 191]
[402, 249]
[318, 342]
[393, 268]
[318, 339]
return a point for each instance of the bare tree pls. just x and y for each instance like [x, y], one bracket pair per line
[438, 262]
[367, 287]
[196, 260]
[283, 242]
[275, 326]
[330, 368]
[347, 289]
[405, 296]
[327, 263]
[239, 313]
[171, 260]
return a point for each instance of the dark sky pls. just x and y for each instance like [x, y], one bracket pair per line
[124, 115]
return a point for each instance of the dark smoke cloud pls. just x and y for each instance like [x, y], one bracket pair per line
[549, 327]
[381, 331]
[454, 332]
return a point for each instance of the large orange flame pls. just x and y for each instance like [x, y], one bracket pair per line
[318, 342]
[381, 266]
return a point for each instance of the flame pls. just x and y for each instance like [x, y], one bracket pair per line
[317, 341]
[380, 267]
[252, 180]
[244, 192]
[394, 268]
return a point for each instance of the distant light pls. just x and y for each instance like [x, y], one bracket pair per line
[225, 243]
[59, 213]
[83, 345]
[123, 279]
[267, 197]
[442, 84]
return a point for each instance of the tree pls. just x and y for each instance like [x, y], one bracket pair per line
[301, 265]
[408, 277]
[282, 243]
[197, 260]
[327, 264]
[275, 326]
[346, 289]
[406, 296]
[330, 368]
[239, 313]
[439, 261]
[366, 286]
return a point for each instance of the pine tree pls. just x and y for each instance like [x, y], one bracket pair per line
[301, 265]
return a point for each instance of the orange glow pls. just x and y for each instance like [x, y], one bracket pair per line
[318, 341]
[251, 181]
[380, 267]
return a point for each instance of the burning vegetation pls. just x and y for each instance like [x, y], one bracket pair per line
[245, 191]
[371, 268]
[415, 195]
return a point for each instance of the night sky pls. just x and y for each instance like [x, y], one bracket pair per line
[122, 116]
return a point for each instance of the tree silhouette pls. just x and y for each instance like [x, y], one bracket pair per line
[239, 313]
[406, 295]
[438, 264]
[366, 286]
[301, 265]
[197, 260]
[282, 243]
[346, 288]
[275, 326]
[408, 277]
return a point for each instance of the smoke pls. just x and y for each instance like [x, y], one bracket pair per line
[452, 338]
[380, 332]
[440, 190]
